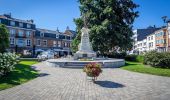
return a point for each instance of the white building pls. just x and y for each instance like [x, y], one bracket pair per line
[151, 42]
[142, 43]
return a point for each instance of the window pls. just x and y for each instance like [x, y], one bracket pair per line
[28, 26]
[59, 43]
[28, 33]
[151, 37]
[28, 42]
[45, 42]
[20, 24]
[57, 36]
[21, 33]
[42, 34]
[54, 44]
[20, 42]
[65, 44]
[144, 43]
[0, 21]
[38, 42]
[12, 41]
[68, 44]
[12, 23]
[12, 31]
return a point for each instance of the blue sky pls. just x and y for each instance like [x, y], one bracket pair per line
[51, 14]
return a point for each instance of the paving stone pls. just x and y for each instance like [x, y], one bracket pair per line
[56, 83]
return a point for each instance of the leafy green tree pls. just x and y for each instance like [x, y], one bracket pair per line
[110, 22]
[4, 38]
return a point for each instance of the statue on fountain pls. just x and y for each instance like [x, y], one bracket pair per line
[85, 48]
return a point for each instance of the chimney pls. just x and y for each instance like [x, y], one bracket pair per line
[32, 21]
[57, 29]
[67, 28]
[168, 23]
[8, 15]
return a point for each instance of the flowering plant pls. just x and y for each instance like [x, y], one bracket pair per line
[93, 70]
[7, 62]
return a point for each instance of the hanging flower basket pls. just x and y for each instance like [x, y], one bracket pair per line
[93, 70]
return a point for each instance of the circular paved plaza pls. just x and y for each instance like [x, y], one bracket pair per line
[72, 84]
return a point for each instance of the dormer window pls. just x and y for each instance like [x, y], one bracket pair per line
[28, 26]
[20, 24]
[12, 23]
[57, 36]
[42, 34]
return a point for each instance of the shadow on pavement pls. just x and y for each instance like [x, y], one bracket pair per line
[42, 74]
[109, 84]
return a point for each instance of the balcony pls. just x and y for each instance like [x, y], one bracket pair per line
[20, 36]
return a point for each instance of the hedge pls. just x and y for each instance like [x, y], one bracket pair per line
[157, 59]
[135, 58]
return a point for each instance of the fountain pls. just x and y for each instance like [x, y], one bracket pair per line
[85, 52]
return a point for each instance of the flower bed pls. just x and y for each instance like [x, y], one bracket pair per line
[93, 70]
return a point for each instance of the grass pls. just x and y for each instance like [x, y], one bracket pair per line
[22, 73]
[139, 67]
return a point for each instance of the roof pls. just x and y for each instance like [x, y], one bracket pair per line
[14, 19]
[48, 31]
[142, 33]
[162, 29]
[70, 32]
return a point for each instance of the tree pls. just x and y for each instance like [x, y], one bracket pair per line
[110, 22]
[4, 38]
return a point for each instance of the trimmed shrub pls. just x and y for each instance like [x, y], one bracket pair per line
[116, 55]
[7, 62]
[157, 59]
[136, 58]
[130, 57]
[140, 58]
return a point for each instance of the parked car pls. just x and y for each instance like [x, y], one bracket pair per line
[45, 55]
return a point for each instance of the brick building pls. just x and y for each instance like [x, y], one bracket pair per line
[25, 38]
[160, 40]
[21, 33]
[55, 40]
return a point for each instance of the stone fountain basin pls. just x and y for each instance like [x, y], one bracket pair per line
[70, 63]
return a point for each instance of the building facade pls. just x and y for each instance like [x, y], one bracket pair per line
[151, 42]
[54, 40]
[141, 42]
[21, 33]
[25, 38]
[168, 36]
[160, 40]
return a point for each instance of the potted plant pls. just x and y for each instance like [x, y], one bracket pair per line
[93, 70]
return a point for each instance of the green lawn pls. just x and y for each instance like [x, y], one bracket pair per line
[22, 73]
[139, 67]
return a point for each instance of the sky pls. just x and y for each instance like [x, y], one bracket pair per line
[53, 14]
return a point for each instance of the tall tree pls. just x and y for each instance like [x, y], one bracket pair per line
[4, 38]
[110, 22]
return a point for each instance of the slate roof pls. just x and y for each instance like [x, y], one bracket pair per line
[48, 31]
[142, 33]
[15, 19]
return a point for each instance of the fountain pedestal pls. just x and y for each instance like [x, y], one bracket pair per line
[85, 47]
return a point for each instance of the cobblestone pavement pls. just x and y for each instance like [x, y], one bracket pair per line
[72, 84]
